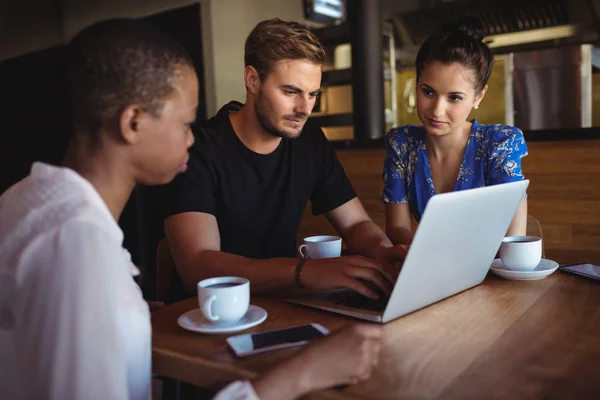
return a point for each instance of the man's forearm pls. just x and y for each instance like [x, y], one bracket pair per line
[264, 274]
[365, 238]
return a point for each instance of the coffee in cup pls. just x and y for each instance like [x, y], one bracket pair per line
[321, 247]
[221, 285]
[224, 300]
[521, 253]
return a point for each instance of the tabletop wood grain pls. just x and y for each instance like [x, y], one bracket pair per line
[501, 339]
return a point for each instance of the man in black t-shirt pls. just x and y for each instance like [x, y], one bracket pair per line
[251, 172]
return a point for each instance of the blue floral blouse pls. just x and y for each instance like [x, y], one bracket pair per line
[492, 156]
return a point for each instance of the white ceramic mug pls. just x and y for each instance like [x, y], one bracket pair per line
[321, 247]
[521, 253]
[224, 300]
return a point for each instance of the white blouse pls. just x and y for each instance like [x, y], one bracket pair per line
[73, 322]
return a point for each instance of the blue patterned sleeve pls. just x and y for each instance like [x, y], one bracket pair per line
[395, 168]
[506, 148]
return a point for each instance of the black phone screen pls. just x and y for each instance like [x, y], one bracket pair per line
[289, 335]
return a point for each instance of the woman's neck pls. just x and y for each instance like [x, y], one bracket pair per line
[108, 173]
[446, 146]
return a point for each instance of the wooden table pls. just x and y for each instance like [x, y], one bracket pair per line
[502, 339]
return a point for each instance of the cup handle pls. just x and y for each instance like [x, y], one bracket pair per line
[303, 249]
[207, 309]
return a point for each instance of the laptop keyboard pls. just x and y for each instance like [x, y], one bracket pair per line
[356, 300]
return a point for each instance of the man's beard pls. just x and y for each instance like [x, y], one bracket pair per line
[264, 117]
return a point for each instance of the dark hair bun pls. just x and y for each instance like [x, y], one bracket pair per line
[470, 26]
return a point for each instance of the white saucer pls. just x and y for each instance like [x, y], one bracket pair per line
[194, 321]
[544, 268]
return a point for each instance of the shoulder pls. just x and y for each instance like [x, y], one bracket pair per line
[38, 204]
[68, 247]
[39, 209]
[213, 131]
[404, 138]
[55, 224]
[405, 132]
[85, 228]
[500, 140]
[209, 132]
[499, 133]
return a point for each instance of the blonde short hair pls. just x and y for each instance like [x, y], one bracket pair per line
[274, 40]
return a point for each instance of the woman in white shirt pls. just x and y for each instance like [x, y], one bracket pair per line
[73, 323]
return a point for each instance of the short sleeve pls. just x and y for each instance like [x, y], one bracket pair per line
[332, 188]
[395, 170]
[239, 390]
[506, 148]
[193, 190]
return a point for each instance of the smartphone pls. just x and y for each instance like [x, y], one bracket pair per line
[253, 343]
[588, 270]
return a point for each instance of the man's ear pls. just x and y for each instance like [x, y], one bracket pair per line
[251, 79]
[130, 124]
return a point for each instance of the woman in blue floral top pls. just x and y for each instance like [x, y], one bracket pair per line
[449, 152]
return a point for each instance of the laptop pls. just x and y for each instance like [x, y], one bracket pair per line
[452, 250]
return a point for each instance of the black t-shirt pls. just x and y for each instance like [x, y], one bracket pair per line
[258, 199]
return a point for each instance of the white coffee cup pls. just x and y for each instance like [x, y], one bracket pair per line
[521, 253]
[224, 300]
[321, 247]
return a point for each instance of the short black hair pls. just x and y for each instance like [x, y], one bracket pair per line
[460, 42]
[115, 63]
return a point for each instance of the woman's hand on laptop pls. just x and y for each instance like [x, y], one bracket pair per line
[348, 272]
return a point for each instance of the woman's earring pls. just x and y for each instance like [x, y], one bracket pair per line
[476, 106]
